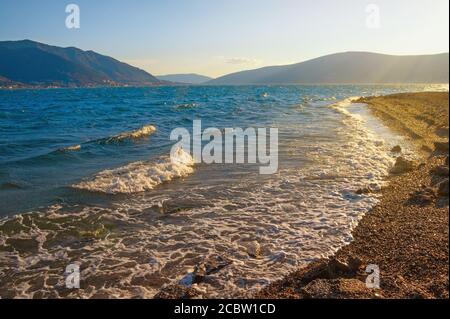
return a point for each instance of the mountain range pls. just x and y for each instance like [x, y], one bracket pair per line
[349, 68]
[28, 63]
[185, 78]
[32, 63]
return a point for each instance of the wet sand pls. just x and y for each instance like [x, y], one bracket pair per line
[406, 234]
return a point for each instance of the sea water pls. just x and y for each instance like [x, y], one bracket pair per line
[86, 178]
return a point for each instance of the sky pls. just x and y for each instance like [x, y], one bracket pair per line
[217, 37]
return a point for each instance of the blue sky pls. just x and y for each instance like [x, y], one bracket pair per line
[215, 37]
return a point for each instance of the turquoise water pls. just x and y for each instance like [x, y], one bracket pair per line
[56, 145]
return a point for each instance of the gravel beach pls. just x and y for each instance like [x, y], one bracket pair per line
[405, 236]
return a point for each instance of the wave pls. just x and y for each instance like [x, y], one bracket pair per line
[141, 132]
[129, 135]
[136, 134]
[342, 105]
[73, 148]
[140, 176]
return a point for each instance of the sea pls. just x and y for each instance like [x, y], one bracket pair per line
[86, 179]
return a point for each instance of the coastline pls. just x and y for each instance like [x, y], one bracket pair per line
[419, 117]
[406, 234]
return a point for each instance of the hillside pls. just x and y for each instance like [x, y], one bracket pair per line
[34, 63]
[349, 67]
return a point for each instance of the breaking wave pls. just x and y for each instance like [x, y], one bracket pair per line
[342, 105]
[73, 148]
[136, 134]
[140, 176]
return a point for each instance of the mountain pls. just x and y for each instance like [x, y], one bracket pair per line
[185, 78]
[349, 68]
[35, 63]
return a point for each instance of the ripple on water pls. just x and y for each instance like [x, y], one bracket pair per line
[135, 246]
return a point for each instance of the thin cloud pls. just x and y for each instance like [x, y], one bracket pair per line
[239, 60]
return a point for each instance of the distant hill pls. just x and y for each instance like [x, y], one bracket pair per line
[185, 78]
[349, 67]
[34, 63]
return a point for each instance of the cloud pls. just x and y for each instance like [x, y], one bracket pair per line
[239, 60]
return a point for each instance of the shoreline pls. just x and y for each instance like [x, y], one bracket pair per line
[405, 235]
[398, 236]
[410, 249]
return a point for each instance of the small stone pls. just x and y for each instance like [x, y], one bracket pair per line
[363, 191]
[423, 197]
[403, 165]
[442, 131]
[336, 266]
[253, 249]
[440, 171]
[427, 149]
[396, 149]
[210, 265]
[443, 188]
[354, 263]
[441, 146]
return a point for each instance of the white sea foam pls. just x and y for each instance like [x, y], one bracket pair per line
[342, 106]
[136, 134]
[140, 176]
[73, 148]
